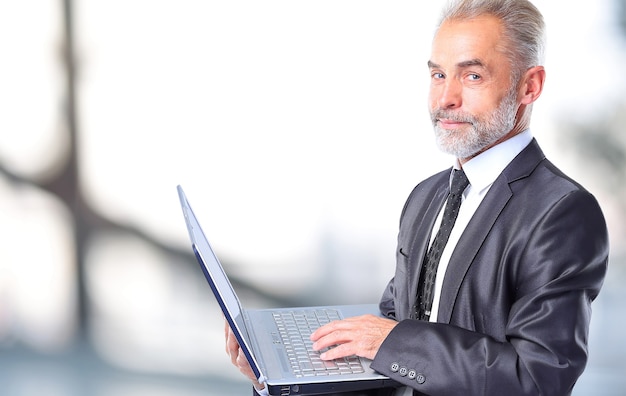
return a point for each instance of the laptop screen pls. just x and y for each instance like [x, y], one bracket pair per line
[221, 286]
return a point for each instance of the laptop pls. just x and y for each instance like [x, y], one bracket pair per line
[276, 341]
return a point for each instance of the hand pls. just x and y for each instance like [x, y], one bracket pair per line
[237, 356]
[361, 336]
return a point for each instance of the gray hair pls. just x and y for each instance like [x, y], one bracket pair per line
[523, 24]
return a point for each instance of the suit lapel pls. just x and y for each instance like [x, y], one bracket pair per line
[481, 224]
[469, 244]
[421, 239]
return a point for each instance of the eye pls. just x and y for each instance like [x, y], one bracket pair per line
[438, 76]
[473, 77]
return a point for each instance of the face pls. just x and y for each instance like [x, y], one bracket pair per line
[473, 99]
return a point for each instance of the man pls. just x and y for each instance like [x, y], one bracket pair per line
[496, 299]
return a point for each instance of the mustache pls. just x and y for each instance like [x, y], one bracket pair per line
[457, 116]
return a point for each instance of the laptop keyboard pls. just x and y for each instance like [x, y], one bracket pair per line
[295, 328]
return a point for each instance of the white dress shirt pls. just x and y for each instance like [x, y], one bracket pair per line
[481, 171]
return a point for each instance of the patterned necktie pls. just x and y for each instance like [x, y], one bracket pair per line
[426, 285]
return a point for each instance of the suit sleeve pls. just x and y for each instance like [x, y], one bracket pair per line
[387, 305]
[544, 348]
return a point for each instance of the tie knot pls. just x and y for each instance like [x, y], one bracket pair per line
[459, 182]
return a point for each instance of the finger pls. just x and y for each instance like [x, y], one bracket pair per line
[226, 329]
[242, 362]
[321, 332]
[344, 324]
[329, 328]
[232, 347]
[333, 339]
[340, 351]
[360, 336]
[337, 332]
[246, 369]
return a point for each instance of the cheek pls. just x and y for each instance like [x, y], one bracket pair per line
[478, 103]
[434, 94]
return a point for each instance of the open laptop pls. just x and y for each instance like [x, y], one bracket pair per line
[275, 341]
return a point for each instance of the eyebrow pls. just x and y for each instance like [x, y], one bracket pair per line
[462, 65]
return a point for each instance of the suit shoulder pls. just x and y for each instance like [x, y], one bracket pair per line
[426, 188]
[432, 182]
[550, 180]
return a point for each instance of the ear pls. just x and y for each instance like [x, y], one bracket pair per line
[532, 84]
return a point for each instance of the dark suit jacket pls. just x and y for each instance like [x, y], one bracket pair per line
[515, 304]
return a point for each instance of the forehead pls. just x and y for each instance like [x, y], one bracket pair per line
[459, 41]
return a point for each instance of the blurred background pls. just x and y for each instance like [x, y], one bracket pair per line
[297, 128]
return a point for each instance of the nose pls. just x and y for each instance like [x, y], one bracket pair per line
[450, 95]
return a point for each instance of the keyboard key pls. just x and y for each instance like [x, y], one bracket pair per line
[294, 329]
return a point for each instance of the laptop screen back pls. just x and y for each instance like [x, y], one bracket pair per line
[221, 286]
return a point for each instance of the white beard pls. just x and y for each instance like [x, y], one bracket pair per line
[481, 133]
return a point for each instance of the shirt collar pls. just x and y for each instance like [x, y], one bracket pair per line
[483, 169]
